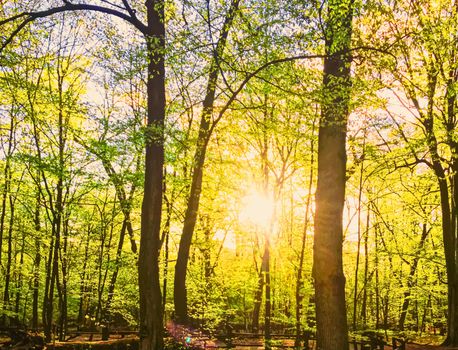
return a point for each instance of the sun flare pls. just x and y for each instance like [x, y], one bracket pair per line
[257, 209]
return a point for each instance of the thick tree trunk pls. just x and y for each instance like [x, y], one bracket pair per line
[330, 194]
[190, 219]
[151, 324]
[448, 229]
[452, 322]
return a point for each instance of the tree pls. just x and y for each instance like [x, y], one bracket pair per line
[327, 259]
[205, 132]
[154, 35]
[425, 83]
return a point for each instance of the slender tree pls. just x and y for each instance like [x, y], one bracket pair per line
[205, 132]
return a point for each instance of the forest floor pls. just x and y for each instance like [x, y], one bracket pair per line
[427, 347]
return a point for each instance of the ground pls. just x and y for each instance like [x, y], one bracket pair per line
[427, 347]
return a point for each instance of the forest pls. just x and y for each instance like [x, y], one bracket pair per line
[230, 166]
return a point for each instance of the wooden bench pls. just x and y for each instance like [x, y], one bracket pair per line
[73, 334]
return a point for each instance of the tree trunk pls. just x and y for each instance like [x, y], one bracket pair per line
[47, 304]
[358, 249]
[6, 295]
[19, 279]
[268, 305]
[299, 278]
[366, 269]
[377, 279]
[257, 301]
[36, 263]
[63, 299]
[330, 194]
[151, 324]
[190, 219]
[83, 278]
[6, 190]
[413, 270]
[6, 185]
[106, 313]
[448, 230]
[125, 201]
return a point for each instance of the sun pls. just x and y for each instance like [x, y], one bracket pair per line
[257, 209]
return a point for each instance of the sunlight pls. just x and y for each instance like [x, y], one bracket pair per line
[257, 209]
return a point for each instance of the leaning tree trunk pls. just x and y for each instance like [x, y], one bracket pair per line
[151, 332]
[179, 292]
[330, 194]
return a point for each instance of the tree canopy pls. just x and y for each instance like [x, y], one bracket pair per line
[264, 166]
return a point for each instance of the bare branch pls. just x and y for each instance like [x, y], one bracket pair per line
[129, 9]
[29, 17]
[253, 74]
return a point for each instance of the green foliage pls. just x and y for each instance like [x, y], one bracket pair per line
[72, 119]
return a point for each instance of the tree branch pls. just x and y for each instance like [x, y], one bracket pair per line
[129, 9]
[29, 17]
[253, 74]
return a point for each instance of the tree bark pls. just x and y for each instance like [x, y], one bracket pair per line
[151, 324]
[330, 194]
